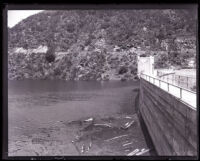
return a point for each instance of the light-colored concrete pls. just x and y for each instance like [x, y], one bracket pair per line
[184, 95]
[171, 123]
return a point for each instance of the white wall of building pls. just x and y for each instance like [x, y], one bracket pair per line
[146, 65]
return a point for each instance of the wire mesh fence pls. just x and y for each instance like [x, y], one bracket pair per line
[179, 80]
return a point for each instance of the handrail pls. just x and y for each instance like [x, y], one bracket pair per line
[178, 75]
[190, 103]
[165, 74]
[169, 83]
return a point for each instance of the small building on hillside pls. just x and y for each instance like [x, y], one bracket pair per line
[145, 65]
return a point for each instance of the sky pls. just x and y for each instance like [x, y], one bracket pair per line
[15, 16]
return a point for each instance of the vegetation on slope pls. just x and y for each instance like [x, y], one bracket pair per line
[88, 37]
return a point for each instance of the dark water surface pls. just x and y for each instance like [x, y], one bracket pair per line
[36, 86]
[32, 104]
[39, 110]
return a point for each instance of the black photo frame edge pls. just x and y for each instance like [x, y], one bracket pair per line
[58, 6]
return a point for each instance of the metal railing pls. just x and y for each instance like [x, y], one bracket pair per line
[184, 94]
[180, 80]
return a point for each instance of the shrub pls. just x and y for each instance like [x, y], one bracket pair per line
[50, 57]
[122, 70]
[70, 28]
[161, 61]
[57, 71]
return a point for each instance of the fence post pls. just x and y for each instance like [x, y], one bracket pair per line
[167, 86]
[180, 93]
[187, 82]
[153, 80]
[159, 82]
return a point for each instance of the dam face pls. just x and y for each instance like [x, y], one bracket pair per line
[171, 123]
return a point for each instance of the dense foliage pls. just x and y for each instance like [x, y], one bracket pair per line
[89, 36]
[83, 66]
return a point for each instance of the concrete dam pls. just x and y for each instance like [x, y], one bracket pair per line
[169, 115]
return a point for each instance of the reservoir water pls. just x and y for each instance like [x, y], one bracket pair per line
[33, 105]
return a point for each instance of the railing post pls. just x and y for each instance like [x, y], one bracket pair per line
[167, 86]
[180, 93]
[159, 82]
[187, 82]
[153, 80]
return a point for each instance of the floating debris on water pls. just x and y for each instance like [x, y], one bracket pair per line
[133, 152]
[127, 150]
[142, 152]
[92, 135]
[105, 125]
[127, 144]
[116, 137]
[138, 152]
[128, 117]
[126, 141]
[127, 125]
[83, 148]
[90, 119]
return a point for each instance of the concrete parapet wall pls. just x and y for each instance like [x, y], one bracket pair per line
[171, 123]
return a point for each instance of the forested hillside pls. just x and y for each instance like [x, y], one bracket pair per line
[98, 44]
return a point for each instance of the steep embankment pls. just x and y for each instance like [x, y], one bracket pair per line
[84, 42]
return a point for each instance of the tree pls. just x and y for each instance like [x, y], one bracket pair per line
[161, 60]
[50, 55]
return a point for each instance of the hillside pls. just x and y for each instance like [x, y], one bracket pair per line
[89, 39]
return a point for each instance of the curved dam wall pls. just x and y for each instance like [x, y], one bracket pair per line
[172, 124]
